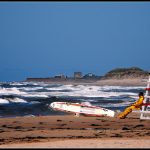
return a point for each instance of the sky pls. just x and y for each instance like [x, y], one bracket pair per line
[44, 39]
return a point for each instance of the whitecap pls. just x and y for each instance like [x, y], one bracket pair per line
[4, 101]
[62, 87]
[90, 91]
[17, 100]
[31, 88]
[87, 93]
[123, 104]
[16, 83]
[36, 95]
[13, 91]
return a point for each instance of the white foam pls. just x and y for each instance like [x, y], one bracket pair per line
[63, 87]
[8, 91]
[16, 83]
[79, 90]
[17, 100]
[15, 91]
[91, 91]
[87, 93]
[125, 104]
[36, 95]
[29, 83]
[4, 101]
[31, 88]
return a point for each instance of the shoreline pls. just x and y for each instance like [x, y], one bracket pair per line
[69, 131]
[102, 82]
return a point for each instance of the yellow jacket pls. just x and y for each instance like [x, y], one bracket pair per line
[139, 102]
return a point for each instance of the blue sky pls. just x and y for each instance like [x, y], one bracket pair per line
[42, 39]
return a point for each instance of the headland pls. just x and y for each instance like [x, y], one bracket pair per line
[133, 76]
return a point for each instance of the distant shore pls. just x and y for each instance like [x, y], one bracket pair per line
[132, 76]
[102, 82]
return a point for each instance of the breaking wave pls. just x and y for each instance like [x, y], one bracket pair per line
[29, 98]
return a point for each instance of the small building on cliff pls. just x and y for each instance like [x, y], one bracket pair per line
[77, 75]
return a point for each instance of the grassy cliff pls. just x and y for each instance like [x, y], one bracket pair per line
[122, 73]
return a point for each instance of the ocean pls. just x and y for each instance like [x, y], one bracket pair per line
[33, 99]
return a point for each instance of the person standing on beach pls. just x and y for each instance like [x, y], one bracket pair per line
[137, 105]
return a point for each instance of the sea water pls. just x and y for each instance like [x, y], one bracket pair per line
[32, 99]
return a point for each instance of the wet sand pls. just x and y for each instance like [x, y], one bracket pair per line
[68, 131]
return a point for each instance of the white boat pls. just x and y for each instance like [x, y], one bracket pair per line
[83, 109]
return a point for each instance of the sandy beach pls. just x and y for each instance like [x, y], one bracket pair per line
[104, 82]
[68, 131]
[123, 82]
